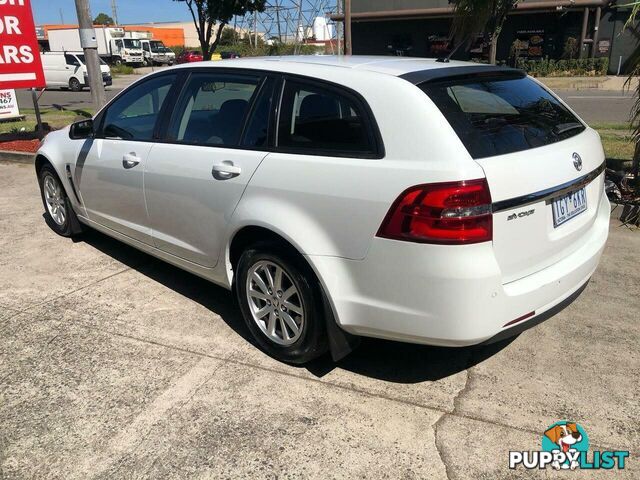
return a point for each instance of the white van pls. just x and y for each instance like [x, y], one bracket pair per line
[68, 70]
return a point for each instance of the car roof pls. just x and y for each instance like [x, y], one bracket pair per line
[395, 66]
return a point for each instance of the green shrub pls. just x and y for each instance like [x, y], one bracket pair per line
[246, 50]
[121, 70]
[564, 68]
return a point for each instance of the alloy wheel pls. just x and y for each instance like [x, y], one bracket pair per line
[56, 204]
[275, 302]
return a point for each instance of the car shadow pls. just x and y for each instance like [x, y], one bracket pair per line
[380, 359]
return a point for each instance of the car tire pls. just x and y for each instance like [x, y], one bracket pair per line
[58, 212]
[273, 331]
[74, 84]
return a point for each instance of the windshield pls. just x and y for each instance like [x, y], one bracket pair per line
[156, 46]
[81, 58]
[131, 43]
[500, 116]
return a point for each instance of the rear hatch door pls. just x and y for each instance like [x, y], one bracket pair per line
[543, 165]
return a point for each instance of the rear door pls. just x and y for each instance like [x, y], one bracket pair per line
[543, 166]
[195, 178]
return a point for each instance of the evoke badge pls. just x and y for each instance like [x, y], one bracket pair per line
[577, 161]
[526, 213]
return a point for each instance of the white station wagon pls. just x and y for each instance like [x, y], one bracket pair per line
[407, 199]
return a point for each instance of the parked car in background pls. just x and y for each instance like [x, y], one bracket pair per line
[437, 203]
[171, 56]
[228, 55]
[189, 56]
[68, 70]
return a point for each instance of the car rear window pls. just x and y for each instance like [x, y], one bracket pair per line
[502, 115]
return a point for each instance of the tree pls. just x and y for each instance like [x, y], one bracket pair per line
[103, 19]
[229, 37]
[476, 17]
[634, 72]
[207, 14]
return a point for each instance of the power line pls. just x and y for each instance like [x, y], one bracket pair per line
[114, 12]
[292, 21]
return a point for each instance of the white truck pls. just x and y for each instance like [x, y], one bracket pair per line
[154, 51]
[113, 46]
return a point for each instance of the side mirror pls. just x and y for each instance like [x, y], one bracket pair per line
[81, 130]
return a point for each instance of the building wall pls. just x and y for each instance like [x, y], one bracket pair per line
[358, 6]
[375, 37]
[171, 37]
[190, 33]
[622, 42]
[361, 6]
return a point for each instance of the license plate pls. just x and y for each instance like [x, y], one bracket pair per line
[568, 206]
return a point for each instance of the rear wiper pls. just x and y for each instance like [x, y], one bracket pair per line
[566, 127]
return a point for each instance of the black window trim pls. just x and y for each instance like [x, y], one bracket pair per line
[183, 73]
[370, 124]
[100, 117]
[252, 109]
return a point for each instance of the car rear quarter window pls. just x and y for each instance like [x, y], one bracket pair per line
[502, 115]
[317, 120]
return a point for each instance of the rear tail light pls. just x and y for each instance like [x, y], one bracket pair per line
[451, 213]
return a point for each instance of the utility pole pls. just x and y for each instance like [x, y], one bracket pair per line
[90, 47]
[339, 28]
[278, 21]
[348, 49]
[299, 31]
[255, 27]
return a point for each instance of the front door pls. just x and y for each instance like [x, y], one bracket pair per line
[112, 172]
[194, 181]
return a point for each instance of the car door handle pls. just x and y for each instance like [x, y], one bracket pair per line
[130, 160]
[225, 169]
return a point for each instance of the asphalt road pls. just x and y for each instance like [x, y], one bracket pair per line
[599, 106]
[69, 100]
[116, 365]
[593, 105]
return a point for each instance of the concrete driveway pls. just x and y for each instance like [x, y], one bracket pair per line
[116, 365]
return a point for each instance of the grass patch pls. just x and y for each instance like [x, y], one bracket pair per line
[616, 140]
[626, 127]
[55, 118]
[117, 70]
[617, 146]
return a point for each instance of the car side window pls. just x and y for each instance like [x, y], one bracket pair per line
[212, 109]
[314, 119]
[133, 115]
[71, 60]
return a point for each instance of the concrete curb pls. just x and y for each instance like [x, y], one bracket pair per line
[17, 157]
[609, 83]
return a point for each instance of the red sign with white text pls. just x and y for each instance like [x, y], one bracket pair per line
[20, 62]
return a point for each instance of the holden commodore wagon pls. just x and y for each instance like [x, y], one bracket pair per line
[407, 199]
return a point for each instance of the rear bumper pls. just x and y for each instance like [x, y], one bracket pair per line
[451, 295]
